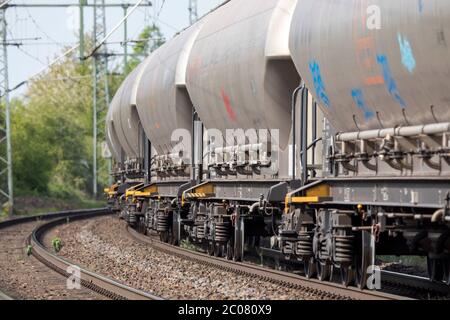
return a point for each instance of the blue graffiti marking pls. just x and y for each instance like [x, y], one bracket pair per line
[318, 83]
[389, 80]
[358, 97]
[420, 6]
[406, 51]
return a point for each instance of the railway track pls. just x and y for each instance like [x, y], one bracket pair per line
[97, 283]
[325, 290]
[396, 286]
[4, 296]
[413, 286]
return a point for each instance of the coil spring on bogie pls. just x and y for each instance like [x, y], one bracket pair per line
[148, 221]
[222, 231]
[344, 248]
[201, 231]
[132, 219]
[305, 243]
[162, 224]
[324, 253]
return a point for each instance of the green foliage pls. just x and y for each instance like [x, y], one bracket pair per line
[49, 129]
[52, 126]
[186, 244]
[3, 215]
[29, 250]
[32, 162]
[57, 244]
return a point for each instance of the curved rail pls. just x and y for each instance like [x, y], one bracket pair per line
[421, 286]
[36, 218]
[4, 296]
[95, 282]
[47, 216]
[98, 283]
[328, 290]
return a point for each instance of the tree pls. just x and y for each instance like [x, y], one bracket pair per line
[52, 125]
[31, 161]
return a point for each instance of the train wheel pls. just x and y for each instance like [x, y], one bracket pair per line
[360, 274]
[210, 248]
[230, 250]
[216, 250]
[164, 236]
[435, 269]
[309, 267]
[323, 271]
[347, 274]
[236, 257]
[446, 265]
[363, 259]
[141, 226]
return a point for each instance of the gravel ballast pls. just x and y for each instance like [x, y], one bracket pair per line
[24, 277]
[103, 245]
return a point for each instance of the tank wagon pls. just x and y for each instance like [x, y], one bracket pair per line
[128, 144]
[316, 138]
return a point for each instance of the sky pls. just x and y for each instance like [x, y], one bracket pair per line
[47, 31]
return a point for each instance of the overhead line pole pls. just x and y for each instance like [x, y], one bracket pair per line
[99, 72]
[83, 3]
[125, 40]
[6, 173]
[100, 69]
[100, 78]
[193, 11]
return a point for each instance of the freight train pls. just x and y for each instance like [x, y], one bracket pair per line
[314, 131]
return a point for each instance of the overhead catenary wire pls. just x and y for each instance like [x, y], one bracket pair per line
[72, 78]
[64, 44]
[160, 9]
[72, 49]
[138, 3]
[18, 47]
[4, 3]
[30, 55]
[42, 30]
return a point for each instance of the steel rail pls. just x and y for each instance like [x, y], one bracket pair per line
[423, 286]
[4, 296]
[46, 217]
[326, 290]
[35, 218]
[95, 282]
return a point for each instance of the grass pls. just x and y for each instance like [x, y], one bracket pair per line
[414, 261]
[57, 244]
[186, 244]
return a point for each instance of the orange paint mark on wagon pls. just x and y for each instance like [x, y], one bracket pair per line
[364, 43]
[373, 81]
[157, 125]
[365, 46]
[227, 103]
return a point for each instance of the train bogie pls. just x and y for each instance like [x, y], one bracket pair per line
[265, 141]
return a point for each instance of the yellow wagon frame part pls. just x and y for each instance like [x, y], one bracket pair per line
[205, 190]
[316, 194]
